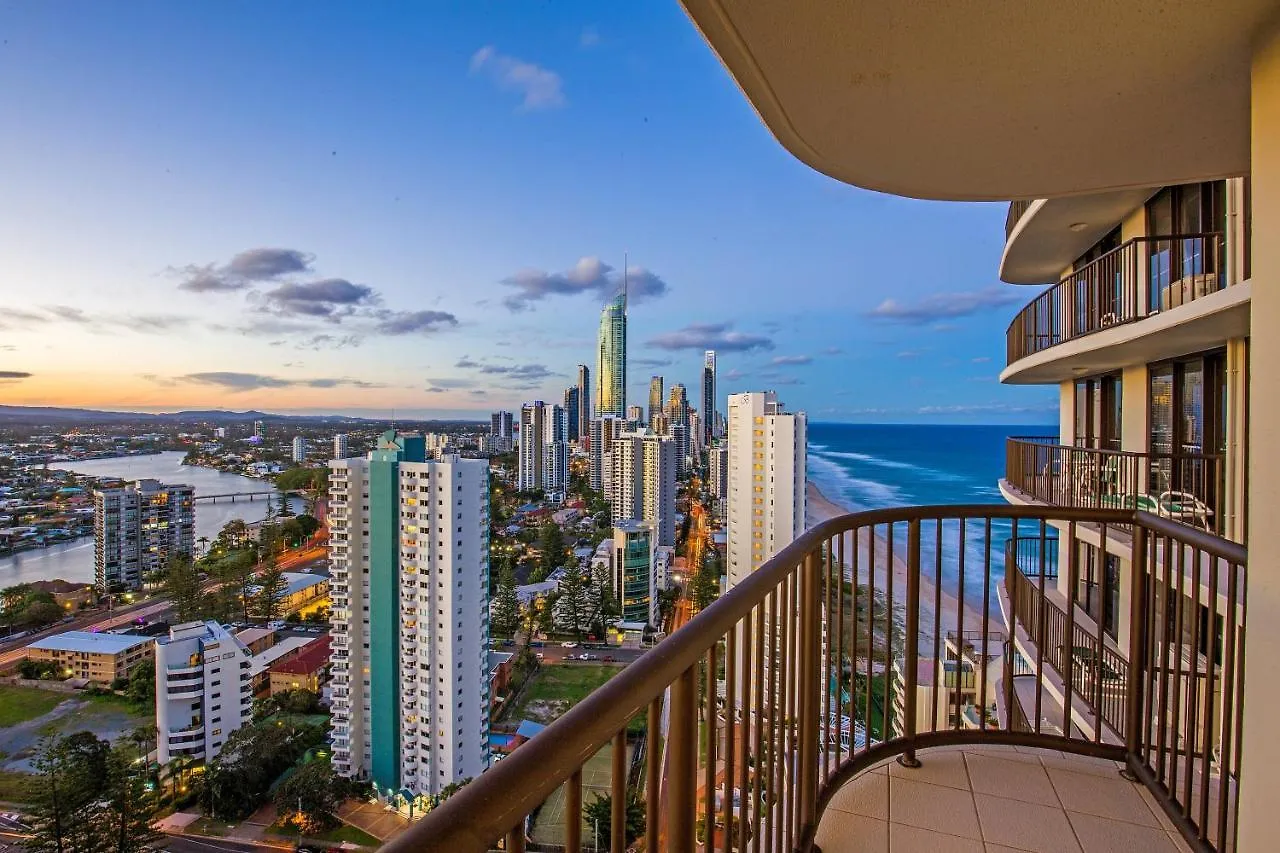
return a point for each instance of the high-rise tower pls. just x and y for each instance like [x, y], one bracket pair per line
[584, 402]
[708, 396]
[611, 358]
[655, 397]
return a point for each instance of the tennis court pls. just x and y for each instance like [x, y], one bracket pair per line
[596, 775]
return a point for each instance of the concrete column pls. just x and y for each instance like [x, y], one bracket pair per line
[1260, 770]
[1067, 412]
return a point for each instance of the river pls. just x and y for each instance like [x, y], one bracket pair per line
[73, 561]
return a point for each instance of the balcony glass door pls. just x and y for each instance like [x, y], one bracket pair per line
[1098, 413]
[1188, 422]
[1183, 267]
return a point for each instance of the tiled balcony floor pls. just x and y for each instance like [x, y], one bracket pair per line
[996, 799]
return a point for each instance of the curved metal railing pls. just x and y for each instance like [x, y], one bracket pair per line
[878, 634]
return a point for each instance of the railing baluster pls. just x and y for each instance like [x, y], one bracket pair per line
[573, 813]
[792, 645]
[824, 727]
[744, 736]
[1099, 662]
[763, 665]
[962, 548]
[981, 657]
[777, 739]
[730, 736]
[683, 771]
[840, 656]
[937, 613]
[710, 732]
[653, 779]
[1041, 620]
[618, 793]
[1073, 577]
[810, 659]
[1193, 672]
[912, 640]
[1211, 601]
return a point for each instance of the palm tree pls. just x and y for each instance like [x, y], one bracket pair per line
[203, 542]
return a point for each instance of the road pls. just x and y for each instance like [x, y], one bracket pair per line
[182, 844]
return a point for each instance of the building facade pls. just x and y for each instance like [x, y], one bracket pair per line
[555, 452]
[299, 449]
[643, 483]
[533, 437]
[766, 481]
[604, 430]
[100, 657]
[340, 446]
[611, 359]
[708, 397]
[718, 480]
[655, 398]
[204, 690]
[634, 579]
[584, 405]
[501, 431]
[572, 411]
[138, 528]
[409, 552]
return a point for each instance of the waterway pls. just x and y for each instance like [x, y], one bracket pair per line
[73, 561]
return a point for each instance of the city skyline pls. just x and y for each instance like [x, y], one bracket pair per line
[376, 239]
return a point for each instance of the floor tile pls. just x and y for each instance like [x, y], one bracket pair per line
[1086, 764]
[936, 807]
[1102, 835]
[911, 839]
[937, 767]
[841, 832]
[866, 795]
[1012, 779]
[1025, 826]
[1104, 796]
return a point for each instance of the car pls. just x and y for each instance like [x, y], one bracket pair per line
[541, 655]
[588, 657]
[568, 645]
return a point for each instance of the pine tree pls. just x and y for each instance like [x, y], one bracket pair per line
[182, 587]
[607, 607]
[551, 546]
[67, 788]
[504, 612]
[573, 609]
[123, 824]
[271, 593]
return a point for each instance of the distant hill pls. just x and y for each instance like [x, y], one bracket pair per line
[54, 414]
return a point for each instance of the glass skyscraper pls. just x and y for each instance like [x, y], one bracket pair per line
[611, 359]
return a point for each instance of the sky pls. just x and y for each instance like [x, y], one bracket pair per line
[418, 209]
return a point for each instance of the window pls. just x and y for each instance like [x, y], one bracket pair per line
[1188, 433]
[1194, 217]
[1099, 588]
[1099, 413]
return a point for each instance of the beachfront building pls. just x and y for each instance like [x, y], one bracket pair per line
[204, 690]
[1153, 739]
[137, 529]
[765, 482]
[98, 657]
[409, 549]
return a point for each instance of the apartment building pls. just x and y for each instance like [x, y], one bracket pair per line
[138, 528]
[766, 480]
[409, 550]
[643, 482]
[532, 458]
[635, 580]
[340, 445]
[299, 449]
[603, 431]
[708, 410]
[501, 432]
[718, 481]
[98, 657]
[204, 690]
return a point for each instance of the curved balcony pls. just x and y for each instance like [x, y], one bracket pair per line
[1186, 487]
[1101, 301]
[777, 702]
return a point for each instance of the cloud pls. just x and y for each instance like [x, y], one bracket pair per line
[910, 353]
[453, 382]
[17, 319]
[716, 336]
[518, 377]
[154, 323]
[590, 37]
[410, 322]
[538, 87]
[943, 305]
[466, 362]
[14, 374]
[243, 270]
[982, 359]
[327, 298]
[786, 380]
[649, 362]
[588, 275]
[322, 341]
[732, 375]
[236, 382]
[792, 359]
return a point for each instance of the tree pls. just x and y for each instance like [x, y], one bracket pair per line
[504, 612]
[182, 586]
[573, 610]
[605, 602]
[599, 813]
[271, 594]
[551, 546]
[123, 822]
[142, 685]
[704, 587]
[310, 796]
[236, 574]
[41, 613]
[70, 771]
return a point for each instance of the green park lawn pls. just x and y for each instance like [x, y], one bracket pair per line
[558, 687]
[343, 832]
[19, 704]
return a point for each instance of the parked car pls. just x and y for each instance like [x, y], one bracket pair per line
[588, 657]
[568, 645]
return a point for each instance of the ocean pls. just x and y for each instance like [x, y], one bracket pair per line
[872, 466]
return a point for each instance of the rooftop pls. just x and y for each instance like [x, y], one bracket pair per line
[89, 642]
[312, 657]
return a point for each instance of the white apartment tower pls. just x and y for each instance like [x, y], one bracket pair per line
[299, 449]
[204, 690]
[718, 462]
[500, 431]
[603, 431]
[410, 586]
[766, 480]
[533, 436]
[555, 451]
[138, 528]
[340, 446]
[643, 484]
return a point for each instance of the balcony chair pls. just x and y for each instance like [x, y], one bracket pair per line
[1185, 507]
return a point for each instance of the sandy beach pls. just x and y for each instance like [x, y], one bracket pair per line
[819, 508]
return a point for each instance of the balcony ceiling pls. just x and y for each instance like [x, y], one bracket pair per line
[1054, 232]
[998, 100]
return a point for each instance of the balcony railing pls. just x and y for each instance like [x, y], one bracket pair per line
[768, 691]
[1139, 278]
[1186, 487]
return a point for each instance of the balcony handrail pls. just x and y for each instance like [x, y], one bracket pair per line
[1110, 290]
[788, 585]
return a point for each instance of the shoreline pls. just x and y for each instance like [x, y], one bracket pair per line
[819, 508]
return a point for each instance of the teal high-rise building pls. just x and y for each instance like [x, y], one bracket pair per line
[611, 359]
[409, 555]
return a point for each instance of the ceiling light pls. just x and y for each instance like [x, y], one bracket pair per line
[1078, 226]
